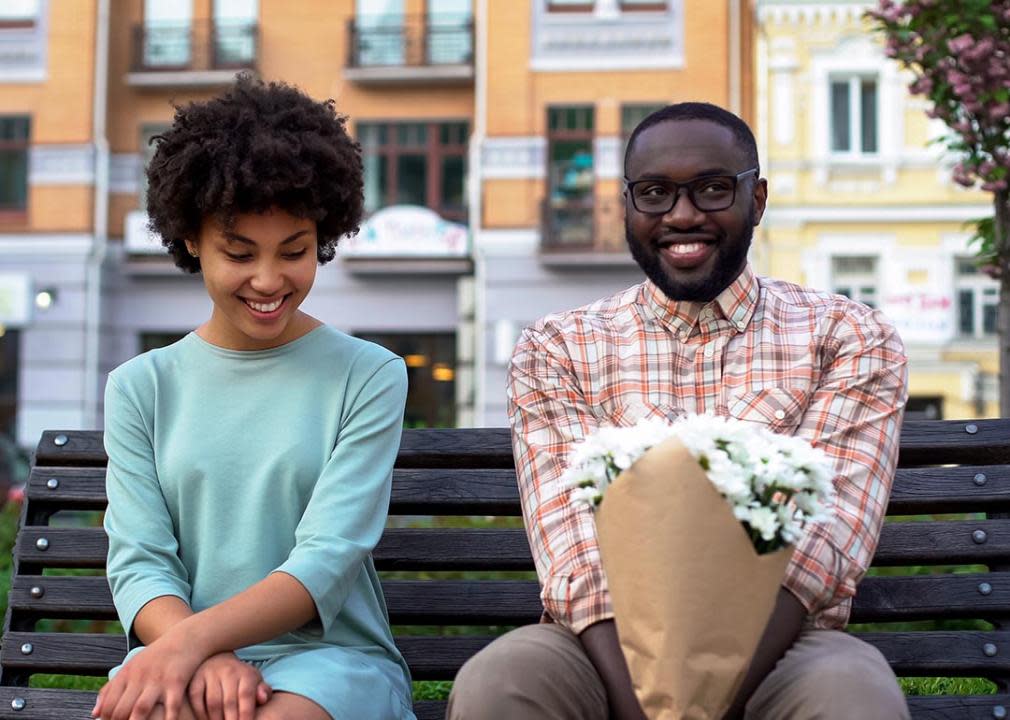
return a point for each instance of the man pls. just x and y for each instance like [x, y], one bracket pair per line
[702, 333]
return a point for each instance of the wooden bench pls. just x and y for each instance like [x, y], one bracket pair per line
[945, 467]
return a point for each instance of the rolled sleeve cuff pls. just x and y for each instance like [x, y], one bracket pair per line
[327, 590]
[130, 602]
[815, 577]
[578, 600]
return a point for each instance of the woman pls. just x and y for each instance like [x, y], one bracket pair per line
[250, 462]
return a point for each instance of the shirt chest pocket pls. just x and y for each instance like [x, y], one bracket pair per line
[780, 408]
[628, 414]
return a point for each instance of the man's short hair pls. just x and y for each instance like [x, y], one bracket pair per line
[699, 111]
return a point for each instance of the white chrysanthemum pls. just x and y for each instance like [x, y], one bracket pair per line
[764, 521]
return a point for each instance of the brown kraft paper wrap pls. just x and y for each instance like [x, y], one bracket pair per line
[691, 596]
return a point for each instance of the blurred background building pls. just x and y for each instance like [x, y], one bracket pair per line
[493, 134]
[861, 203]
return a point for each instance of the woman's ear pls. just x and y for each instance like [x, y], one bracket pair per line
[191, 247]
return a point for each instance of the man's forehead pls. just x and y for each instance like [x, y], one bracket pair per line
[687, 144]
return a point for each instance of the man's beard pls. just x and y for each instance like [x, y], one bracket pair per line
[730, 258]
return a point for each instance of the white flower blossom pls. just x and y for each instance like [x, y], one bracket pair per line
[776, 484]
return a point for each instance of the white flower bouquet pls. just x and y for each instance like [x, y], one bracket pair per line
[776, 484]
[696, 523]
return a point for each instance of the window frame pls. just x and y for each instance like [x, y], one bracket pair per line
[980, 286]
[14, 213]
[854, 80]
[858, 281]
[434, 150]
[23, 22]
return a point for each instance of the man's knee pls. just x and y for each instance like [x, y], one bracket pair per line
[853, 680]
[533, 672]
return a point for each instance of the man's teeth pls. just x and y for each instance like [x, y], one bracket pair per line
[265, 307]
[686, 248]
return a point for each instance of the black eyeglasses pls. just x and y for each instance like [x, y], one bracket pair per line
[708, 193]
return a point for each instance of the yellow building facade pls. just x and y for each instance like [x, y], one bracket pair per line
[860, 203]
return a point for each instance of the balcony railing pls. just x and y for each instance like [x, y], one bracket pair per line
[410, 47]
[576, 227]
[204, 47]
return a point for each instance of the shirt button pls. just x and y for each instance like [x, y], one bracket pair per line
[780, 414]
[709, 350]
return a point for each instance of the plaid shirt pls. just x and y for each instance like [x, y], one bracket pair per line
[799, 361]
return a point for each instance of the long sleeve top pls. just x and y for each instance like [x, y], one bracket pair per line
[226, 466]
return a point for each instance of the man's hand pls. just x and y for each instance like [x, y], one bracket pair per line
[604, 651]
[159, 674]
[780, 633]
[225, 688]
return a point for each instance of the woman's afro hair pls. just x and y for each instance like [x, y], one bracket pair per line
[255, 147]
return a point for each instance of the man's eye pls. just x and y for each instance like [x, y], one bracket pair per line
[653, 191]
[713, 187]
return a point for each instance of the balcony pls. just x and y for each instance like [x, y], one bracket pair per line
[581, 231]
[421, 49]
[200, 54]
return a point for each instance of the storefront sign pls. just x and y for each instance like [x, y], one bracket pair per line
[921, 316]
[15, 299]
[407, 231]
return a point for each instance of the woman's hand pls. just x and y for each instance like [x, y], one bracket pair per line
[159, 674]
[225, 688]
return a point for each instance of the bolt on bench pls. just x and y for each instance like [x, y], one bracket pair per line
[945, 467]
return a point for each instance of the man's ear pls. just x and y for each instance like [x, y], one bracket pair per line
[760, 200]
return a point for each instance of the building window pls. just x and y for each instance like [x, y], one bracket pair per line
[415, 163]
[855, 277]
[853, 114]
[9, 349]
[977, 300]
[19, 13]
[570, 5]
[570, 152]
[431, 375]
[14, 132]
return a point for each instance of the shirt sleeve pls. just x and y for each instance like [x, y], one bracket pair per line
[143, 561]
[346, 513]
[855, 416]
[548, 412]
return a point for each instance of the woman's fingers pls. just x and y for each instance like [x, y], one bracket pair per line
[197, 702]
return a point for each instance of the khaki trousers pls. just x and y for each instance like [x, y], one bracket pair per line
[540, 672]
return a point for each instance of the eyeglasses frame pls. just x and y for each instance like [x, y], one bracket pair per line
[630, 184]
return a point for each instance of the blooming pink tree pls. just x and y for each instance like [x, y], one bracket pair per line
[959, 53]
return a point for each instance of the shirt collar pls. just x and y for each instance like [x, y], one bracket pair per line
[736, 304]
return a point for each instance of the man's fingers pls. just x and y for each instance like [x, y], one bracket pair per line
[215, 701]
[172, 700]
[230, 699]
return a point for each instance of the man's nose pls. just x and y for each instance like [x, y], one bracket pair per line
[683, 213]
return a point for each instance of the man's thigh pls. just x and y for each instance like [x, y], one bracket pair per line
[829, 675]
[537, 672]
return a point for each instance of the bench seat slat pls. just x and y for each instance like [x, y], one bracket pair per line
[953, 542]
[947, 442]
[959, 654]
[410, 602]
[904, 543]
[399, 549]
[928, 597]
[942, 653]
[517, 602]
[415, 491]
[46, 704]
[920, 491]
